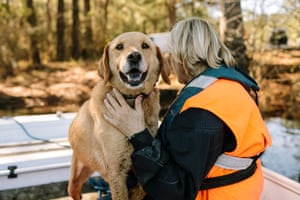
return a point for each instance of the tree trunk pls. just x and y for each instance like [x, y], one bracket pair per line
[104, 6]
[33, 38]
[49, 17]
[6, 55]
[60, 31]
[88, 25]
[232, 32]
[75, 30]
[171, 11]
[88, 34]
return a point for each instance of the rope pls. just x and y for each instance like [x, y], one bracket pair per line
[37, 138]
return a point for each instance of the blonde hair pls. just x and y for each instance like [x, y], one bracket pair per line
[196, 45]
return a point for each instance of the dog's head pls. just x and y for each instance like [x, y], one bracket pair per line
[132, 63]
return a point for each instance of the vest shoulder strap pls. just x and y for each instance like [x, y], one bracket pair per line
[234, 74]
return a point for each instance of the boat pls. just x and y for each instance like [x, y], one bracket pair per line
[34, 151]
[279, 187]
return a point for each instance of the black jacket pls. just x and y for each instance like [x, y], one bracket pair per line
[175, 166]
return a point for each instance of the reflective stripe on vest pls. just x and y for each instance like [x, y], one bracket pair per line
[202, 82]
[224, 161]
[231, 162]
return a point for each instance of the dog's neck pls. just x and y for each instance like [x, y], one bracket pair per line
[130, 99]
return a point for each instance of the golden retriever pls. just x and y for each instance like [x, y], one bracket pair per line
[131, 63]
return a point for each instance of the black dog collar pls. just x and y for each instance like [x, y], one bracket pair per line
[130, 99]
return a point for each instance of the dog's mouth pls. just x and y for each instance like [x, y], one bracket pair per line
[134, 77]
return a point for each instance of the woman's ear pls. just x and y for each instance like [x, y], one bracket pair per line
[165, 67]
[103, 68]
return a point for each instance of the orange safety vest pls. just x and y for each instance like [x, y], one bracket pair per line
[230, 101]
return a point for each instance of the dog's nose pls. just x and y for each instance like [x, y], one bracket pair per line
[134, 57]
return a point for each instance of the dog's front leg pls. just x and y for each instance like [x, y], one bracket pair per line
[79, 175]
[117, 184]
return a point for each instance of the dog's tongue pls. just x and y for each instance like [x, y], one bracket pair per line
[134, 79]
[134, 76]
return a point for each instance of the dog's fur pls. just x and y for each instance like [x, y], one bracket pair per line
[97, 145]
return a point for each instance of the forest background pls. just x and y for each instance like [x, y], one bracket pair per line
[49, 49]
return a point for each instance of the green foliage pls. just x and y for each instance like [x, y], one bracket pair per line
[11, 43]
[148, 16]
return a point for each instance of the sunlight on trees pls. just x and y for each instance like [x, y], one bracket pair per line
[54, 32]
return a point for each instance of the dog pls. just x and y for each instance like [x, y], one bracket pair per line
[132, 63]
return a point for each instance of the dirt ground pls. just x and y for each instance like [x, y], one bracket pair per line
[278, 75]
[65, 86]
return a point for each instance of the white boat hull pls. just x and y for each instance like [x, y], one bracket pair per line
[40, 162]
[278, 187]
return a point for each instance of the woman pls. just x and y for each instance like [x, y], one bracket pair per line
[209, 143]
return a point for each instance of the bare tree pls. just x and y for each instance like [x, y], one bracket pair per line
[75, 30]
[34, 37]
[60, 31]
[48, 15]
[88, 34]
[104, 5]
[88, 25]
[171, 7]
[6, 60]
[232, 32]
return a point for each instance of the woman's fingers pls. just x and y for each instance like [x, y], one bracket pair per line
[108, 118]
[114, 109]
[121, 115]
[113, 103]
[119, 97]
[138, 104]
[109, 107]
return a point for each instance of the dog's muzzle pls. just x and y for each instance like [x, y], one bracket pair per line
[134, 76]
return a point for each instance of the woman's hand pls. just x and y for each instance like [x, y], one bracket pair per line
[128, 120]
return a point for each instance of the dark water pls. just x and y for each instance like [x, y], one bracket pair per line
[284, 154]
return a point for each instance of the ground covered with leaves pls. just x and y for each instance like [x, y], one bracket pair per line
[63, 87]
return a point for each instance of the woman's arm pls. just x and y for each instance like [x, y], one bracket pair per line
[175, 169]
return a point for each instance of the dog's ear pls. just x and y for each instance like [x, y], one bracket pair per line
[165, 68]
[103, 68]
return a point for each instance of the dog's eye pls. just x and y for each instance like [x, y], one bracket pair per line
[119, 46]
[145, 45]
